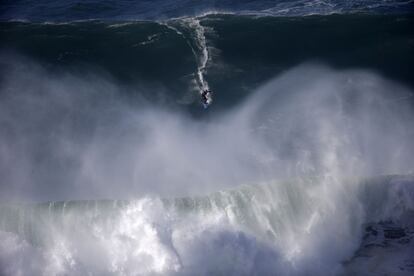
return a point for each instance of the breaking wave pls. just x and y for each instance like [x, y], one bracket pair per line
[329, 133]
[300, 227]
[302, 166]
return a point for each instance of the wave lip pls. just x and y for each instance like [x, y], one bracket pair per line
[64, 10]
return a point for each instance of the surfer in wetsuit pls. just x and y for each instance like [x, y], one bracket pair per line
[205, 96]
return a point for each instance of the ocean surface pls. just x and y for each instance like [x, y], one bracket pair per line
[302, 164]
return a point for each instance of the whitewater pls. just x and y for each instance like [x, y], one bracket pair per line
[302, 165]
[301, 227]
[286, 183]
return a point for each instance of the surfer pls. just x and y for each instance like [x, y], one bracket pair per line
[206, 97]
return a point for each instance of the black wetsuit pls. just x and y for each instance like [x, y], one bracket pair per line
[204, 96]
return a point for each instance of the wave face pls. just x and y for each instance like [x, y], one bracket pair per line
[230, 53]
[301, 227]
[302, 164]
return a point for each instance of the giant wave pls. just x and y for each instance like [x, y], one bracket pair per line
[303, 165]
[229, 53]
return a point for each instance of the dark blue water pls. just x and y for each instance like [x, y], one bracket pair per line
[241, 45]
[159, 9]
[242, 51]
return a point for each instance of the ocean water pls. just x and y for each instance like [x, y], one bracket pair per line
[301, 165]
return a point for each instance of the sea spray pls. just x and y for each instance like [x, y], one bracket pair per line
[291, 227]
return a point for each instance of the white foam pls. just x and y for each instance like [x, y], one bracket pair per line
[307, 226]
[198, 44]
[312, 120]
